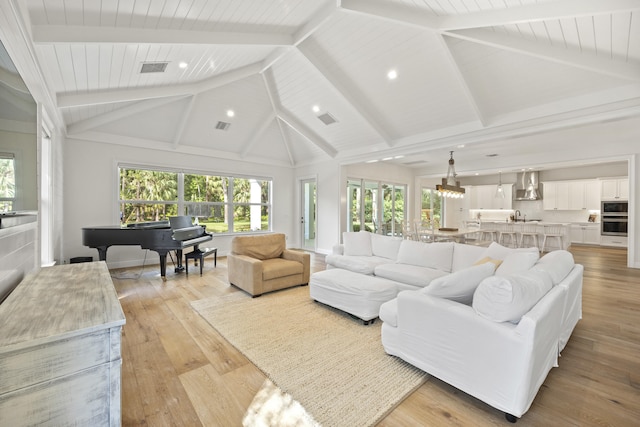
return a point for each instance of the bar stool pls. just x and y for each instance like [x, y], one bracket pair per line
[489, 231]
[529, 232]
[507, 230]
[553, 231]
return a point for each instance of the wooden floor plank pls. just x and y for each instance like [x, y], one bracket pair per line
[178, 370]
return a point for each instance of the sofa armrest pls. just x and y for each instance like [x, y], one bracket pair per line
[338, 249]
[302, 257]
[245, 272]
[502, 364]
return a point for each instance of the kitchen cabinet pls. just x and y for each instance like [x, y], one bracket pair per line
[584, 195]
[484, 197]
[556, 195]
[571, 195]
[588, 234]
[616, 241]
[615, 189]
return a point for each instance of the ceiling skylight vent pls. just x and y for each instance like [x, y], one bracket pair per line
[153, 67]
[327, 119]
[222, 125]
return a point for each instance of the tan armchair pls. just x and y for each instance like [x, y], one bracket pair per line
[259, 264]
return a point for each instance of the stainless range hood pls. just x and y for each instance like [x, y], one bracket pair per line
[527, 186]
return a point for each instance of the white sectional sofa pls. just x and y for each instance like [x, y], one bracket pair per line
[489, 321]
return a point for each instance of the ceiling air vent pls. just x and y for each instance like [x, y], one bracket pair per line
[222, 125]
[327, 119]
[153, 67]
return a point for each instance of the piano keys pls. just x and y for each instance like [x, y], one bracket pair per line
[156, 236]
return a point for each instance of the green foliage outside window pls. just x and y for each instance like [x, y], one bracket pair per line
[215, 201]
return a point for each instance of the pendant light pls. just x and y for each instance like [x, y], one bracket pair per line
[500, 189]
[450, 187]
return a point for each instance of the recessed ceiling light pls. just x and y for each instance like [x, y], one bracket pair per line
[461, 146]
[387, 158]
[398, 157]
[230, 113]
[372, 161]
[392, 74]
[183, 65]
[315, 109]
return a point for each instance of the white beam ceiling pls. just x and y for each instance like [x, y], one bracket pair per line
[585, 61]
[135, 94]
[120, 113]
[468, 28]
[52, 34]
[349, 94]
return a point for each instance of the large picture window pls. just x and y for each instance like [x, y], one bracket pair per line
[7, 182]
[224, 204]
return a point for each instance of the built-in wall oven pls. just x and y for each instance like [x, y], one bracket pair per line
[614, 218]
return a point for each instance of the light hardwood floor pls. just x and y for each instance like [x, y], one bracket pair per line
[178, 371]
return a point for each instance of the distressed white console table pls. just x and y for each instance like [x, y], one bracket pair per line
[60, 358]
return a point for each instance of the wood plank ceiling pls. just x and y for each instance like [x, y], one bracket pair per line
[468, 71]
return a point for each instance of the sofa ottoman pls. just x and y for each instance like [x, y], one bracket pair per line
[357, 294]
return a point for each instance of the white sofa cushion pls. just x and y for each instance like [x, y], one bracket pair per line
[557, 263]
[497, 251]
[466, 255]
[409, 274]
[461, 285]
[357, 264]
[385, 246]
[432, 255]
[357, 243]
[507, 299]
[517, 262]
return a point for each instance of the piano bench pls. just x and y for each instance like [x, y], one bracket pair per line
[198, 255]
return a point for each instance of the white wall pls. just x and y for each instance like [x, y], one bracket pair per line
[90, 188]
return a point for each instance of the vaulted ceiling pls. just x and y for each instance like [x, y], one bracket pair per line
[468, 72]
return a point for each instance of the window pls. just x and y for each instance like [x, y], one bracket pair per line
[7, 182]
[431, 206]
[222, 203]
[383, 204]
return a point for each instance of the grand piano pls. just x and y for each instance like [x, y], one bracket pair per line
[161, 236]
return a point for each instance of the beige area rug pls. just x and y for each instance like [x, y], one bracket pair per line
[325, 359]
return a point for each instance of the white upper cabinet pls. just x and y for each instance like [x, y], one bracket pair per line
[484, 197]
[584, 195]
[556, 195]
[571, 195]
[615, 189]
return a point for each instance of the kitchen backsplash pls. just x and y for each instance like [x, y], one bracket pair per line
[534, 210]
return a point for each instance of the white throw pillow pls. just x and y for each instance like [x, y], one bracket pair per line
[517, 262]
[507, 299]
[461, 285]
[357, 243]
[497, 251]
[385, 246]
[557, 263]
[432, 255]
